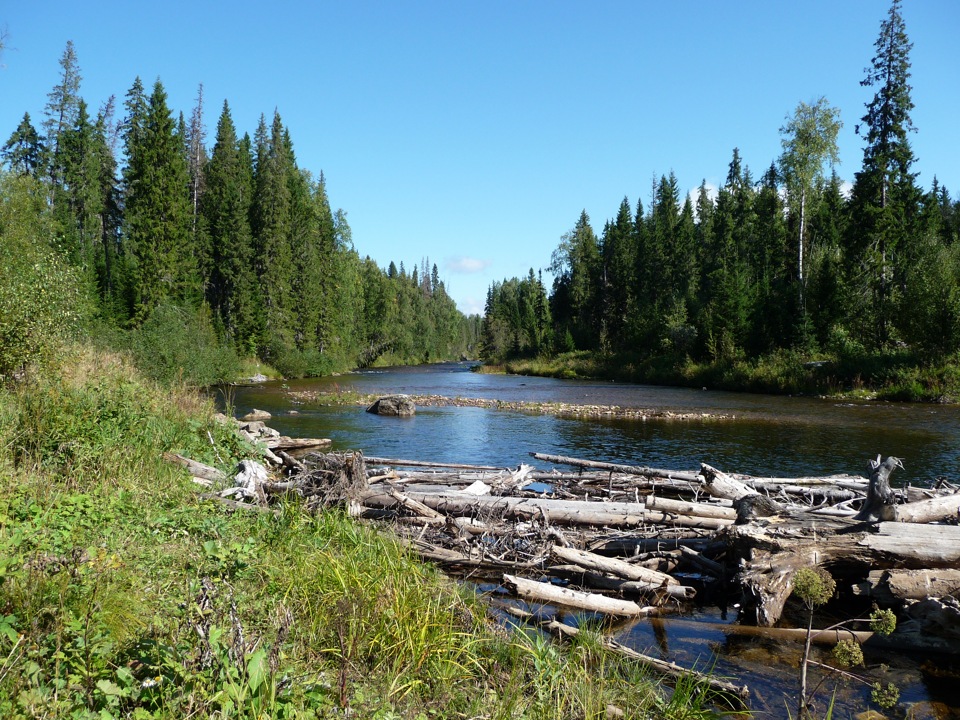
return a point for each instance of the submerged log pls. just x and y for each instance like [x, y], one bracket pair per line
[581, 576]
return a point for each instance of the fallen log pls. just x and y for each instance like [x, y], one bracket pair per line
[943, 507]
[712, 567]
[741, 694]
[541, 592]
[393, 462]
[581, 576]
[614, 467]
[612, 566]
[721, 485]
[900, 640]
[914, 545]
[565, 512]
[197, 469]
[692, 509]
[895, 587]
[287, 443]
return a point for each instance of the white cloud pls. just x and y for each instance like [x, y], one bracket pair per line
[465, 265]
[712, 192]
[471, 306]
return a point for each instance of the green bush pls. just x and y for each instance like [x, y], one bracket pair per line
[40, 297]
[178, 344]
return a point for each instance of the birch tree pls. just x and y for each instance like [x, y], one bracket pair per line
[809, 144]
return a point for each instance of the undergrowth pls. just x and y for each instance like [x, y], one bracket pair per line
[124, 595]
[893, 375]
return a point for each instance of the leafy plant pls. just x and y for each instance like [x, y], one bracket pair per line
[815, 587]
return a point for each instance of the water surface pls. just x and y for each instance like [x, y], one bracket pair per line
[768, 435]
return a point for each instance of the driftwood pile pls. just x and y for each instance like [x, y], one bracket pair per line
[628, 541]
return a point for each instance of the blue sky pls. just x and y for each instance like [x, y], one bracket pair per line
[474, 133]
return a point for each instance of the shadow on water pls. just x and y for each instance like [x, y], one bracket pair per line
[772, 436]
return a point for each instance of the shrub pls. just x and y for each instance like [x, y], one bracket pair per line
[40, 297]
[177, 343]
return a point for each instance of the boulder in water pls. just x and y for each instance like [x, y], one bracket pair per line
[394, 405]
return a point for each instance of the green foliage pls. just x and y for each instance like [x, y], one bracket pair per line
[815, 586]
[178, 343]
[41, 302]
[886, 696]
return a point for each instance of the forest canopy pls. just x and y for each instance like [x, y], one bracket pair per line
[166, 237]
[791, 260]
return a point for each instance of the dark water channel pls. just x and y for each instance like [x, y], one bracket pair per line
[771, 436]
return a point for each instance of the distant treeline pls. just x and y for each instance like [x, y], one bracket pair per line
[240, 238]
[790, 261]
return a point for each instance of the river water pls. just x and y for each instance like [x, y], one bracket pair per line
[760, 435]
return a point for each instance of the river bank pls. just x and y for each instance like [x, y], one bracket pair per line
[895, 375]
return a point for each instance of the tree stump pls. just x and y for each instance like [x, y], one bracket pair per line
[881, 502]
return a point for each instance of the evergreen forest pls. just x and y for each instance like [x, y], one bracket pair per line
[790, 268]
[194, 256]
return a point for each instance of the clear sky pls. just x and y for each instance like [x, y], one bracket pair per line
[474, 133]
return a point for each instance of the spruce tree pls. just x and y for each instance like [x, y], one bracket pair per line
[157, 216]
[63, 106]
[225, 206]
[886, 201]
[271, 234]
[24, 150]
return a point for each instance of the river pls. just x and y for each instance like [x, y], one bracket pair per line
[759, 435]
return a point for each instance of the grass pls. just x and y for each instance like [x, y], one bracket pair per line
[122, 595]
[894, 375]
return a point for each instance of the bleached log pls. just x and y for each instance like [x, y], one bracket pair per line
[693, 509]
[287, 443]
[413, 505]
[540, 592]
[943, 507]
[394, 462]
[197, 469]
[582, 576]
[612, 566]
[565, 512]
[614, 467]
[914, 545]
[721, 485]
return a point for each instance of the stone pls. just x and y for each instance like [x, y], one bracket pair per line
[255, 414]
[394, 405]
